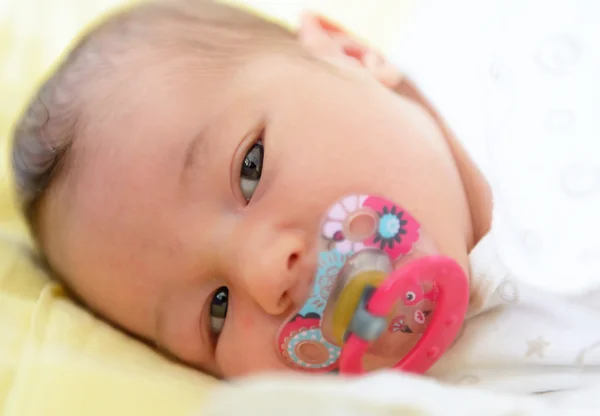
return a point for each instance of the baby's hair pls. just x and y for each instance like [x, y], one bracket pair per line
[210, 34]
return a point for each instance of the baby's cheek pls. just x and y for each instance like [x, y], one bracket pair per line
[247, 344]
[247, 322]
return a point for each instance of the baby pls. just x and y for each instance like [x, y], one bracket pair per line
[176, 167]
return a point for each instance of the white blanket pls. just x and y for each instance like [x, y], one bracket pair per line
[387, 394]
[519, 82]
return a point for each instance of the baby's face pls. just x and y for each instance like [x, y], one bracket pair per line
[190, 216]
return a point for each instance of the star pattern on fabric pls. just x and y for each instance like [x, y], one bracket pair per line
[537, 347]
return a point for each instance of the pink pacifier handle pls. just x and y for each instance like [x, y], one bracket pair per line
[453, 297]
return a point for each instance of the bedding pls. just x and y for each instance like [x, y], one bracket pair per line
[388, 393]
[56, 358]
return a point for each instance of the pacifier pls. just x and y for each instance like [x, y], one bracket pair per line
[382, 297]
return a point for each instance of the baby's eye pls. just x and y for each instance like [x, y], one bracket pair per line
[251, 170]
[218, 309]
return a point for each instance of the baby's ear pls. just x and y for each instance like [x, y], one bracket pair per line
[331, 42]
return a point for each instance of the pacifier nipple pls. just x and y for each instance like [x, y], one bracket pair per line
[367, 269]
[379, 297]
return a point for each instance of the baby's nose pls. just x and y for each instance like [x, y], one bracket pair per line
[276, 270]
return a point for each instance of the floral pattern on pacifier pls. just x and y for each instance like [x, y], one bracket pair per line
[330, 264]
[301, 342]
[360, 221]
[304, 347]
[397, 230]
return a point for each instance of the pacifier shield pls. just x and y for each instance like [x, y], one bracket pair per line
[427, 297]
[365, 238]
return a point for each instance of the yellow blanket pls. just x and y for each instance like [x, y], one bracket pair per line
[56, 358]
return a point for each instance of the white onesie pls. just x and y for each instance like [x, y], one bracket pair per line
[519, 338]
[519, 82]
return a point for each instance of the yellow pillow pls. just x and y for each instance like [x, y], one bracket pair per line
[57, 359]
